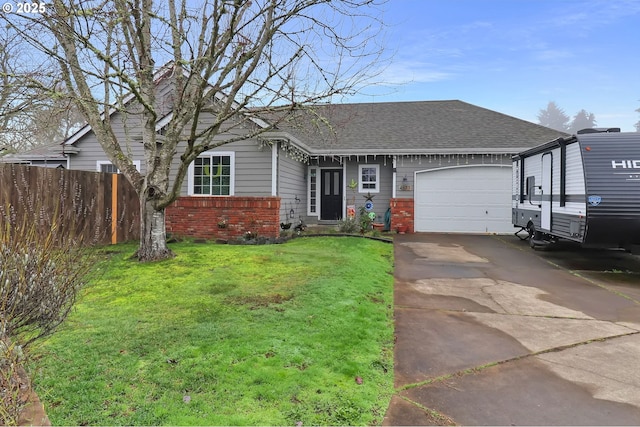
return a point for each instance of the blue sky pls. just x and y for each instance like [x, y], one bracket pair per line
[514, 56]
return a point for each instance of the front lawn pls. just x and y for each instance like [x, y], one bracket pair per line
[228, 335]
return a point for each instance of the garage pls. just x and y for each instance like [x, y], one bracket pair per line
[465, 199]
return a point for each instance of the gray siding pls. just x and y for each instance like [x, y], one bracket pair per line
[252, 162]
[292, 188]
[126, 128]
[380, 199]
[252, 168]
[350, 166]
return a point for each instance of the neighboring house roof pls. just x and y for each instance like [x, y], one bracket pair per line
[41, 154]
[437, 127]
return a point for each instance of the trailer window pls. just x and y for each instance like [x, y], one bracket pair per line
[531, 186]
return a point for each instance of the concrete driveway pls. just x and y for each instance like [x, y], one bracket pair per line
[491, 332]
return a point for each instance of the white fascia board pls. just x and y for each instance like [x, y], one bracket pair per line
[287, 137]
[164, 121]
[400, 152]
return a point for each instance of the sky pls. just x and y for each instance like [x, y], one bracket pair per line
[515, 56]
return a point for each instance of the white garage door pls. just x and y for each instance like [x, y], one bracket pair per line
[469, 199]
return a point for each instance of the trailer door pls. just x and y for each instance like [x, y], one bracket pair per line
[546, 196]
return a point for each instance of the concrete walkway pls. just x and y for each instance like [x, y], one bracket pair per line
[490, 332]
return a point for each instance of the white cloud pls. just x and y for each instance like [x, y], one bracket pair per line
[402, 72]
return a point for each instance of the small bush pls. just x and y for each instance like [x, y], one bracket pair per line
[348, 225]
[40, 275]
[365, 219]
[12, 384]
[43, 265]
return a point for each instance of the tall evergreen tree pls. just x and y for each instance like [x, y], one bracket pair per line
[582, 120]
[554, 117]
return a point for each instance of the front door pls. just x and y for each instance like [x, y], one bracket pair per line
[331, 198]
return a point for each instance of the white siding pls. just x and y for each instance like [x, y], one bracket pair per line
[574, 180]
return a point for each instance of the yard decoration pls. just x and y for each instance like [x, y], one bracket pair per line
[351, 206]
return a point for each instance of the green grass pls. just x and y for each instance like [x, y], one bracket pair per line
[228, 335]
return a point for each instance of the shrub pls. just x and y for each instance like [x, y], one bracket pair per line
[41, 271]
[43, 265]
[12, 384]
[365, 220]
[348, 225]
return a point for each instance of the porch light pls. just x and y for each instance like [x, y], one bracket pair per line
[291, 213]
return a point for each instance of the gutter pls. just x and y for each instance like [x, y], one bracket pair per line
[382, 152]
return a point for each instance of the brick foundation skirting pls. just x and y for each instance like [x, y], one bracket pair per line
[402, 214]
[203, 217]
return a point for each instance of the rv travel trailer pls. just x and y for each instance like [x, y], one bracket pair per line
[584, 188]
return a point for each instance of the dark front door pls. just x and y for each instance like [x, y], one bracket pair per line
[331, 198]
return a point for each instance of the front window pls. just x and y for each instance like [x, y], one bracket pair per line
[212, 174]
[106, 166]
[369, 178]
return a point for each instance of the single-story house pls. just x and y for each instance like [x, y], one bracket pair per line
[439, 166]
[48, 156]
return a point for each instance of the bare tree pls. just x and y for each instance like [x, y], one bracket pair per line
[231, 59]
[16, 97]
[29, 115]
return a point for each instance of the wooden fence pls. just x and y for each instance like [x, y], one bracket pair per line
[98, 207]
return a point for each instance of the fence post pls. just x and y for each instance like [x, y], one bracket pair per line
[114, 208]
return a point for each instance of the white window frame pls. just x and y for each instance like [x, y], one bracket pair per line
[316, 170]
[232, 173]
[377, 183]
[99, 164]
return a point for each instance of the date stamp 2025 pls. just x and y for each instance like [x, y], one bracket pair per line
[28, 8]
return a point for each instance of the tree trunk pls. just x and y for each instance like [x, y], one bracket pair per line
[153, 235]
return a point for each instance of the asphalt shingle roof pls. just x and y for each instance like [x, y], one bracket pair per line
[413, 127]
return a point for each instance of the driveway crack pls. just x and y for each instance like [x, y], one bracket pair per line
[477, 369]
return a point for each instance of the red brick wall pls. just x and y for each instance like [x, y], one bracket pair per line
[199, 216]
[402, 213]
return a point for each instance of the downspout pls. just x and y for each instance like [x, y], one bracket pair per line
[394, 179]
[274, 169]
[344, 186]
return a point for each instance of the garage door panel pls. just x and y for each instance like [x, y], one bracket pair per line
[473, 199]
